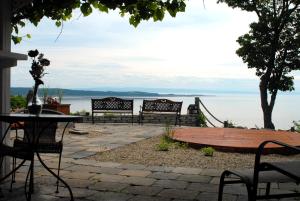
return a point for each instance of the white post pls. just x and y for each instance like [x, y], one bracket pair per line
[5, 45]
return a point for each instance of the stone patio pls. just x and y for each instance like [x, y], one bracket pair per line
[108, 181]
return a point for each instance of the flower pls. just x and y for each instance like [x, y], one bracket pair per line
[37, 66]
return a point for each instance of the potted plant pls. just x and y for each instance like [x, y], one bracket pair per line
[55, 103]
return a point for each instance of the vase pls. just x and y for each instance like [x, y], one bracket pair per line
[35, 105]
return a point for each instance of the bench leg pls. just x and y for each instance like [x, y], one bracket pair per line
[132, 118]
[141, 119]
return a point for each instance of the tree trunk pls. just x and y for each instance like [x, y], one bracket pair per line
[266, 108]
[268, 119]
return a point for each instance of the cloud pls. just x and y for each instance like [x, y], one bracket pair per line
[195, 49]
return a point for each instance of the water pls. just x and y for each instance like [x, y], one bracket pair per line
[240, 109]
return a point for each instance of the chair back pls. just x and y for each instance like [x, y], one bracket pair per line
[46, 130]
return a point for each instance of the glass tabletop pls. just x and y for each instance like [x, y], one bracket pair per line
[13, 117]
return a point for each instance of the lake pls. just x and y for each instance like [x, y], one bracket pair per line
[240, 109]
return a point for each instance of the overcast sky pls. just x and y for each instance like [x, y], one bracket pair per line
[195, 50]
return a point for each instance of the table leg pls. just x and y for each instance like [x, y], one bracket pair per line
[31, 187]
[56, 176]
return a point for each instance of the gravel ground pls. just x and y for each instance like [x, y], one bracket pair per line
[145, 152]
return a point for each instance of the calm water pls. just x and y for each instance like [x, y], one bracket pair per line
[242, 109]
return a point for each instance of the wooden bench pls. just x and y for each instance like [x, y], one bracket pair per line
[159, 106]
[112, 105]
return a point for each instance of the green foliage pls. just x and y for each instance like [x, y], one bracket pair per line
[182, 145]
[297, 126]
[202, 120]
[162, 146]
[229, 124]
[166, 141]
[60, 11]
[17, 102]
[208, 151]
[81, 112]
[271, 47]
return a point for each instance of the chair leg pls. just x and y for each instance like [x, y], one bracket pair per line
[13, 175]
[250, 193]
[268, 188]
[221, 186]
[31, 187]
[58, 170]
[1, 160]
[1, 194]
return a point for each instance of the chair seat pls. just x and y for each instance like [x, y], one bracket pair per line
[43, 147]
[17, 152]
[246, 175]
[290, 168]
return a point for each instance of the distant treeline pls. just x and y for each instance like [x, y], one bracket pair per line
[69, 92]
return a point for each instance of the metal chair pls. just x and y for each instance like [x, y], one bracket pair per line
[20, 153]
[47, 142]
[264, 172]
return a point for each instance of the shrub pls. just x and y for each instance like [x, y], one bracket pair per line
[17, 102]
[202, 120]
[162, 146]
[208, 151]
[229, 124]
[183, 145]
[297, 126]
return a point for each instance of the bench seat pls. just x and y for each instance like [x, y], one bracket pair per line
[112, 105]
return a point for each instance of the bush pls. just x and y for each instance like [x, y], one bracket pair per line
[162, 146]
[208, 151]
[167, 142]
[297, 126]
[202, 120]
[229, 124]
[17, 102]
[182, 145]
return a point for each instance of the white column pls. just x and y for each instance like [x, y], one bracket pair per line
[5, 45]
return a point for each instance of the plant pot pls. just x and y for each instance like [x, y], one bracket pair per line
[64, 108]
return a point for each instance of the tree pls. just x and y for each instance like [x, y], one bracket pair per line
[61, 10]
[272, 47]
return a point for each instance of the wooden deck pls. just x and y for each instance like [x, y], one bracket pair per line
[233, 139]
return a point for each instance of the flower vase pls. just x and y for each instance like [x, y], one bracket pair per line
[35, 105]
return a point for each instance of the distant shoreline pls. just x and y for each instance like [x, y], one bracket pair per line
[85, 93]
[121, 93]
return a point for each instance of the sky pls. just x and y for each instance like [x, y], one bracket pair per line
[193, 52]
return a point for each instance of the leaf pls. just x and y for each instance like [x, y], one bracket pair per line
[16, 39]
[21, 23]
[102, 8]
[134, 21]
[58, 23]
[158, 15]
[16, 29]
[28, 35]
[86, 9]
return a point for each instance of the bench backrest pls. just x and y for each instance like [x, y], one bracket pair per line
[112, 103]
[161, 105]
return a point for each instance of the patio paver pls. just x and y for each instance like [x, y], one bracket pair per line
[96, 181]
